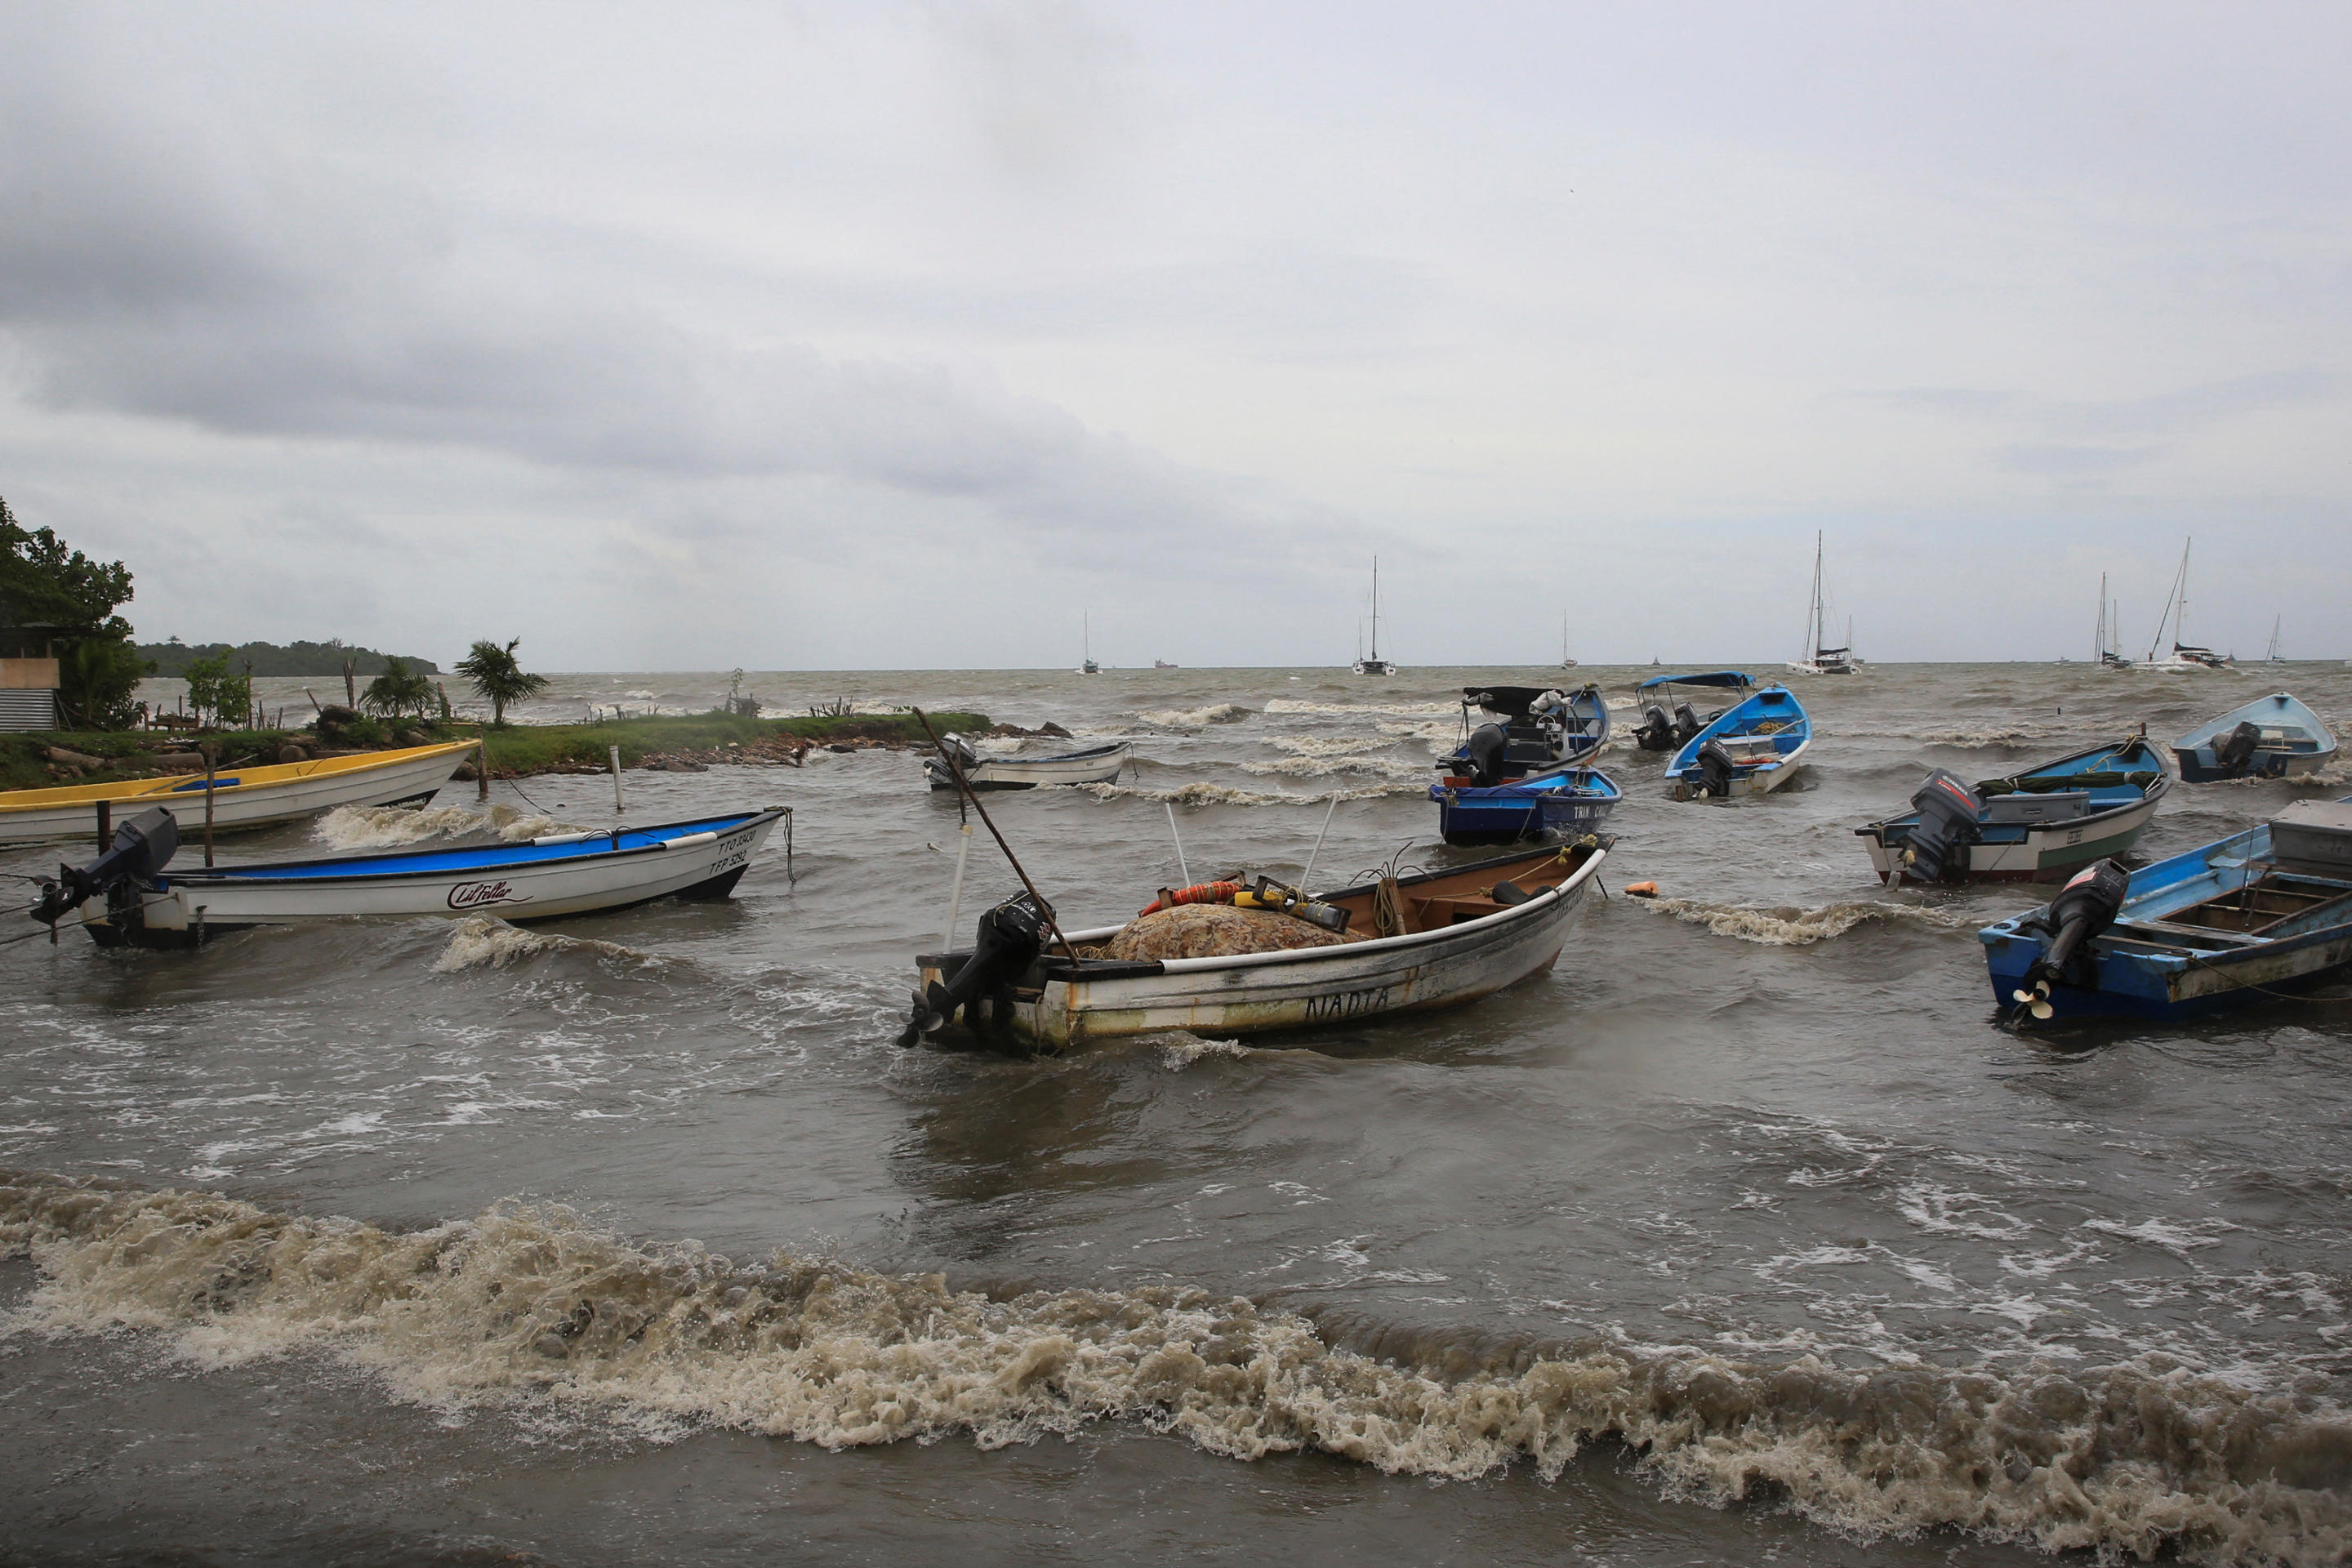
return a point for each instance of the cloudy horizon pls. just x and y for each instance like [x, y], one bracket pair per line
[912, 336]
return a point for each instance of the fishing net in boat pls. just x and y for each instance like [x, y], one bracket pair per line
[1216, 930]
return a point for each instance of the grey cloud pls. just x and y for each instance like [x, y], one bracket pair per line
[2160, 414]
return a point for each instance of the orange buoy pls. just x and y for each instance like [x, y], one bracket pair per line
[1643, 890]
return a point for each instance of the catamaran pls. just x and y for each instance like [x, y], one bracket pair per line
[1817, 659]
[1375, 664]
[2184, 656]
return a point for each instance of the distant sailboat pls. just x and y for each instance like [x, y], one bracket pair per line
[1374, 664]
[1086, 665]
[2111, 636]
[2274, 657]
[1565, 662]
[1816, 660]
[2184, 656]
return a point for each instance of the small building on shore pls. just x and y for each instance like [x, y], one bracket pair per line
[28, 694]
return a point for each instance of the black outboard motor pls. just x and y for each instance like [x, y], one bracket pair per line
[1486, 751]
[1716, 770]
[142, 848]
[1686, 724]
[1656, 732]
[965, 758]
[1936, 849]
[2235, 753]
[2086, 906]
[1010, 937]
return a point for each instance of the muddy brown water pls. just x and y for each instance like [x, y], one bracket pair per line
[1742, 1234]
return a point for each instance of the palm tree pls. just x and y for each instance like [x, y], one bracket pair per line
[398, 690]
[495, 676]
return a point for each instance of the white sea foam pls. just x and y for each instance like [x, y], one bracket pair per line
[1289, 705]
[1194, 717]
[1316, 767]
[483, 943]
[1179, 1050]
[389, 827]
[1226, 795]
[1788, 925]
[2139, 1459]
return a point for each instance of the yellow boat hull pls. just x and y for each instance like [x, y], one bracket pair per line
[243, 798]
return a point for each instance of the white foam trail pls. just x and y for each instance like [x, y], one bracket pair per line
[1290, 705]
[482, 943]
[1180, 1050]
[1317, 767]
[389, 827]
[2137, 1459]
[1788, 926]
[1226, 795]
[1194, 717]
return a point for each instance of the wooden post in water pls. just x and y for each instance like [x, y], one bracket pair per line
[210, 755]
[482, 766]
[105, 824]
[614, 752]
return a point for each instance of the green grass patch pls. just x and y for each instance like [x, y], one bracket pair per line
[25, 762]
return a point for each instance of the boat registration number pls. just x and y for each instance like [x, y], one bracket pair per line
[1347, 1004]
[736, 857]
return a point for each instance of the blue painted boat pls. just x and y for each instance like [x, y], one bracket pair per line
[1752, 750]
[1573, 801]
[140, 902]
[1668, 718]
[1537, 729]
[2273, 737]
[2262, 912]
[2038, 825]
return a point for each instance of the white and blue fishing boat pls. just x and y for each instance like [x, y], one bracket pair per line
[2263, 912]
[1570, 801]
[2273, 737]
[1536, 730]
[1668, 718]
[1752, 750]
[129, 897]
[2036, 826]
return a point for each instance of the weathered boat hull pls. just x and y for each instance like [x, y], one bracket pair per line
[1255, 993]
[1099, 764]
[2294, 742]
[519, 883]
[2168, 957]
[2049, 852]
[242, 797]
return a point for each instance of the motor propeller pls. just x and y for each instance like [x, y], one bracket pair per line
[2086, 906]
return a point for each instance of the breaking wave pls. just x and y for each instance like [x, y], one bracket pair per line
[1178, 1049]
[1314, 767]
[1290, 705]
[388, 826]
[1226, 795]
[1328, 745]
[1788, 926]
[482, 943]
[1194, 717]
[532, 1305]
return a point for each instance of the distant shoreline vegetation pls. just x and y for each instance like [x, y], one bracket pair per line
[306, 658]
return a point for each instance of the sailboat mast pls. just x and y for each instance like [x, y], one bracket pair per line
[2101, 655]
[1376, 609]
[2181, 616]
[1814, 610]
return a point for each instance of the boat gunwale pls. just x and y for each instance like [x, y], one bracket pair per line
[156, 791]
[2154, 793]
[1062, 968]
[581, 852]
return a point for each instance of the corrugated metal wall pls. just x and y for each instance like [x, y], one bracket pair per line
[28, 709]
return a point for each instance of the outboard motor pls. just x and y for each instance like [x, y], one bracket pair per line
[142, 848]
[1686, 724]
[1716, 770]
[1010, 937]
[1484, 752]
[2234, 752]
[965, 758]
[1936, 849]
[1656, 732]
[2086, 906]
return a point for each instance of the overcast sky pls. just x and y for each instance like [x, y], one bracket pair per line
[869, 335]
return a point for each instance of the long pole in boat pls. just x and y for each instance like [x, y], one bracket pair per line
[955, 771]
[209, 755]
[1182, 869]
[1317, 851]
[955, 894]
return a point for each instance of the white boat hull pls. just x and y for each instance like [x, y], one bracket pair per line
[1019, 772]
[199, 900]
[1755, 781]
[248, 807]
[2048, 852]
[1312, 987]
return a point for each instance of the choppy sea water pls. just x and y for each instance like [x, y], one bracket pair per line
[1744, 1234]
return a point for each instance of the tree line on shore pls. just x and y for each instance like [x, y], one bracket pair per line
[56, 601]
